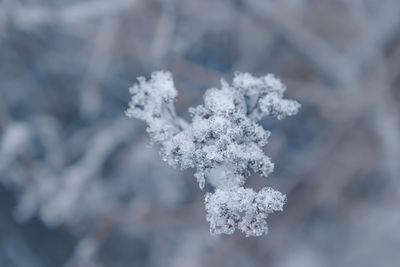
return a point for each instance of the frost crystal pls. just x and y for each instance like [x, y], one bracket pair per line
[223, 143]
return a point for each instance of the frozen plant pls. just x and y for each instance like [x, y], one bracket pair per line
[223, 143]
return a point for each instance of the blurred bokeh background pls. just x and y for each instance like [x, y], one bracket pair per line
[79, 185]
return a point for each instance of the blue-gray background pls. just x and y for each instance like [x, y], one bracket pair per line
[79, 185]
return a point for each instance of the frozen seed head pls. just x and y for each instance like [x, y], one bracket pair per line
[223, 142]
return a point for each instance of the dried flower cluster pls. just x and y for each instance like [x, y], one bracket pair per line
[223, 143]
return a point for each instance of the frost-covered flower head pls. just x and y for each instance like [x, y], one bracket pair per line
[223, 143]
